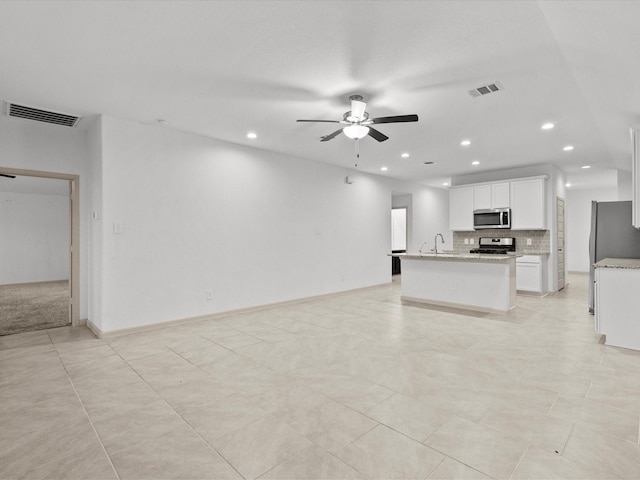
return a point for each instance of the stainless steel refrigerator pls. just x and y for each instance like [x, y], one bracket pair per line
[612, 236]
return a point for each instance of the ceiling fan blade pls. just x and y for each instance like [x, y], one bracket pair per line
[331, 135]
[379, 136]
[396, 119]
[6, 175]
[325, 121]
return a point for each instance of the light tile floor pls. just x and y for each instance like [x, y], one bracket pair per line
[351, 386]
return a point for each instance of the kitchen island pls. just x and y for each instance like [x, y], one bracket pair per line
[480, 282]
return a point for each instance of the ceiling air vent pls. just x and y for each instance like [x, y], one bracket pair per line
[486, 89]
[39, 115]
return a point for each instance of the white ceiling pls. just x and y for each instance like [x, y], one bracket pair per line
[223, 68]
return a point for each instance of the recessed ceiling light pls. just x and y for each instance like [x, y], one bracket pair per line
[405, 155]
[465, 143]
[567, 184]
[252, 135]
[384, 169]
[445, 184]
[586, 166]
[547, 126]
[568, 148]
[475, 162]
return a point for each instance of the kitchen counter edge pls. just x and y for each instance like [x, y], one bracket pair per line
[458, 256]
[631, 263]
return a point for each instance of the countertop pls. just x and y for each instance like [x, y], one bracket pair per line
[458, 256]
[633, 263]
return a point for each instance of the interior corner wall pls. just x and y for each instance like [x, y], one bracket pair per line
[29, 145]
[184, 215]
[625, 185]
[94, 218]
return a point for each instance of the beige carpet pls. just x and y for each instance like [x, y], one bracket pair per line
[33, 306]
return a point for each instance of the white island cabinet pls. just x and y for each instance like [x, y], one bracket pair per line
[485, 283]
[617, 309]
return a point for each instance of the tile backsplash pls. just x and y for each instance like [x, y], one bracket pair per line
[540, 240]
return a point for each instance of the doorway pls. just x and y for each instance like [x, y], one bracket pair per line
[561, 242]
[39, 284]
[398, 236]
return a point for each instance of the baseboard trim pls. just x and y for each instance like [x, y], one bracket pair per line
[458, 306]
[212, 316]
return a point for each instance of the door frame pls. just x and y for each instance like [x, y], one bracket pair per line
[561, 248]
[74, 237]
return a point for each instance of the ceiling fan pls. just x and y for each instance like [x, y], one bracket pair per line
[358, 124]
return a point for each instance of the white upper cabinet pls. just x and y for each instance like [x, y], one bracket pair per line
[482, 196]
[528, 206]
[526, 197]
[491, 195]
[461, 208]
[500, 195]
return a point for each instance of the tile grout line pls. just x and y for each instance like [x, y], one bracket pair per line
[84, 409]
[519, 460]
[180, 415]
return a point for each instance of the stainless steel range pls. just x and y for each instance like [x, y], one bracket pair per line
[495, 245]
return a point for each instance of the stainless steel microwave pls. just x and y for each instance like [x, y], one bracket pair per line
[492, 218]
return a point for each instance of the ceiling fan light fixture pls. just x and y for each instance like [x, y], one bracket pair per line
[355, 132]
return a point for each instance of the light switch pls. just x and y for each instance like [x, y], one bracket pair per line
[117, 227]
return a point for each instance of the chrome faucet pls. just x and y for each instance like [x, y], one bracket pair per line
[435, 242]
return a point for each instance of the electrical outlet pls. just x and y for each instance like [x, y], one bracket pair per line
[529, 241]
[208, 295]
[466, 241]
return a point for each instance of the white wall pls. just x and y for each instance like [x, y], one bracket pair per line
[95, 233]
[427, 214]
[431, 216]
[252, 226]
[34, 238]
[29, 145]
[578, 226]
[625, 185]
[198, 214]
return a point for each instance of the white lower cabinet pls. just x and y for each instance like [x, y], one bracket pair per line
[617, 311]
[530, 273]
